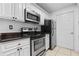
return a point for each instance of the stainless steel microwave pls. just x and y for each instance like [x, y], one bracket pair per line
[31, 16]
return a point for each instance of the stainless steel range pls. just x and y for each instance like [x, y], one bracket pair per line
[38, 45]
[37, 41]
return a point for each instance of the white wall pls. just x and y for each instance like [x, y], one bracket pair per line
[75, 9]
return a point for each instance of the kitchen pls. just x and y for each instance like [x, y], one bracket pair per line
[39, 29]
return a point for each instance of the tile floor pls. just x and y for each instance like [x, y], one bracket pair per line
[59, 51]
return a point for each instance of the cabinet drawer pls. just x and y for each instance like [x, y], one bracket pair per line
[13, 52]
[25, 41]
[25, 50]
[8, 45]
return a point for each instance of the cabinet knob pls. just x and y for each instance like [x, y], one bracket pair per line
[18, 49]
[21, 48]
[13, 17]
[72, 33]
[19, 44]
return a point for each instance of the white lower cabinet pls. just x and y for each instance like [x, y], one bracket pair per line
[25, 51]
[13, 52]
[15, 48]
[22, 51]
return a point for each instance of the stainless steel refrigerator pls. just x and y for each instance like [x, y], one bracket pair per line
[49, 27]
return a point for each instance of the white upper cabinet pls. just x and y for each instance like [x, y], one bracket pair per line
[18, 11]
[24, 6]
[12, 11]
[0, 9]
[42, 17]
[5, 10]
[15, 11]
[28, 6]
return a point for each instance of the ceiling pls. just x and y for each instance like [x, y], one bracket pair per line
[51, 7]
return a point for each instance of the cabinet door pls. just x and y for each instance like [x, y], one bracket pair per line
[16, 10]
[25, 50]
[0, 9]
[24, 6]
[19, 12]
[42, 19]
[28, 6]
[6, 10]
[12, 9]
[13, 52]
[47, 41]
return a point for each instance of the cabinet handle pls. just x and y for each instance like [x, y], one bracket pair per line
[21, 48]
[19, 44]
[13, 17]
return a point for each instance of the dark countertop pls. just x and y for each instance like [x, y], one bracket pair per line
[11, 39]
[4, 37]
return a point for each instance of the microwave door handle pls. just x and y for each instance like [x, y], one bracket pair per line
[25, 14]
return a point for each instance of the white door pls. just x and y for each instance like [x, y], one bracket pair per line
[65, 30]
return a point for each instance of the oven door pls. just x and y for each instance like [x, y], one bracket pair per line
[38, 45]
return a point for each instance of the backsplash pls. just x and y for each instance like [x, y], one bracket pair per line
[4, 26]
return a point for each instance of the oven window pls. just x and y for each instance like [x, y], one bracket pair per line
[39, 44]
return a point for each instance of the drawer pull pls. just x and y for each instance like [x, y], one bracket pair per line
[18, 49]
[13, 17]
[21, 48]
[19, 44]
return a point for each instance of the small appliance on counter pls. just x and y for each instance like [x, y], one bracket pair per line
[37, 41]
